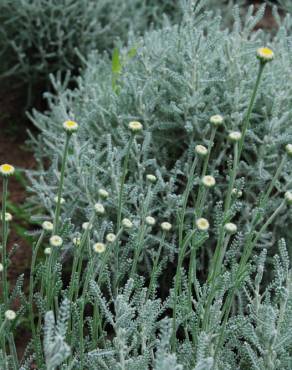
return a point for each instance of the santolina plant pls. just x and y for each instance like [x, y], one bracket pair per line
[172, 81]
[156, 279]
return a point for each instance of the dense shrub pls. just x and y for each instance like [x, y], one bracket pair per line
[172, 81]
[39, 37]
[42, 37]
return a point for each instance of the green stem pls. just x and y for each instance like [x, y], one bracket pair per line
[120, 210]
[61, 183]
[123, 178]
[141, 235]
[232, 178]
[216, 262]
[31, 288]
[4, 242]
[250, 107]
[190, 184]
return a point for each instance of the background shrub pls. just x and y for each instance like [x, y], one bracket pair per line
[39, 37]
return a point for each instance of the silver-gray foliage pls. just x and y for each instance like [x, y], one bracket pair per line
[172, 80]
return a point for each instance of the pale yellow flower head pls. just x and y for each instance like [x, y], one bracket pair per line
[234, 136]
[76, 241]
[47, 226]
[265, 54]
[70, 126]
[208, 181]
[216, 120]
[230, 228]
[99, 247]
[99, 208]
[8, 217]
[166, 226]
[151, 178]
[10, 315]
[150, 221]
[288, 197]
[135, 126]
[110, 238]
[1, 267]
[202, 224]
[62, 200]
[103, 193]
[6, 169]
[127, 224]
[48, 251]
[237, 192]
[201, 150]
[56, 241]
[288, 149]
[86, 225]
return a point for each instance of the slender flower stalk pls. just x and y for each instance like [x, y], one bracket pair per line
[246, 121]
[4, 242]
[134, 127]
[142, 231]
[122, 183]
[36, 338]
[201, 192]
[232, 177]
[238, 139]
[186, 195]
[61, 183]
[6, 170]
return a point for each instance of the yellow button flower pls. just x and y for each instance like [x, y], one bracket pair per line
[70, 126]
[7, 169]
[265, 54]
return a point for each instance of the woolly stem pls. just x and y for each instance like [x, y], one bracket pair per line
[4, 242]
[250, 107]
[61, 183]
[30, 299]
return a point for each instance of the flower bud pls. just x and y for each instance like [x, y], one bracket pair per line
[150, 221]
[126, 223]
[166, 226]
[56, 241]
[235, 136]
[288, 197]
[216, 120]
[10, 315]
[208, 181]
[230, 228]
[135, 126]
[99, 247]
[99, 208]
[201, 150]
[47, 226]
[202, 224]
